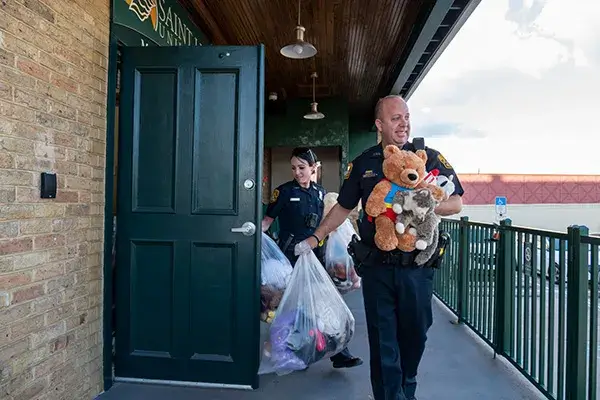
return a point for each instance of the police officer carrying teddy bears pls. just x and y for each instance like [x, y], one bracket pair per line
[397, 292]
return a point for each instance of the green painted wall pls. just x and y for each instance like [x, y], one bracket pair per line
[292, 129]
[359, 142]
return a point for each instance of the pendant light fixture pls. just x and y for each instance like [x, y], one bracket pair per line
[299, 49]
[314, 113]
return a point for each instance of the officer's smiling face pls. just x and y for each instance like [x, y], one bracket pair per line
[394, 121]
[301, 170]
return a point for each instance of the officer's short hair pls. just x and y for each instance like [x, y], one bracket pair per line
[306, 154]
[380, 103]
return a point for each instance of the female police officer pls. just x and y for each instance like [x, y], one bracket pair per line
[299, 206]
[397, 293]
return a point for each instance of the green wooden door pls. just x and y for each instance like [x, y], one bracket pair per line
[188, 298]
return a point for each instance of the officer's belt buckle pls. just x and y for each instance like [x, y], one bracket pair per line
[398, 259]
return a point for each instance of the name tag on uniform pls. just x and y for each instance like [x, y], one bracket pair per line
[369, 174]
[295, 199]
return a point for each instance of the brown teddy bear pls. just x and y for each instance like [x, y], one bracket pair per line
[403, 170]
[270, 298]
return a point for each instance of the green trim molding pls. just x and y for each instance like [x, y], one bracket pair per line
[155, 23]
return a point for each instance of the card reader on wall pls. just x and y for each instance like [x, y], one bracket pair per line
[48, 185]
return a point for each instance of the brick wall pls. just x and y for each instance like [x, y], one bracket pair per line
[482, 189]
[53, 65]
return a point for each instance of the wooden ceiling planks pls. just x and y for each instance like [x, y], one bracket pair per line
[359, 42]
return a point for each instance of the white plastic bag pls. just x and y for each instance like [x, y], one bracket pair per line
[275, 273]
[338, 263]
[312, 323]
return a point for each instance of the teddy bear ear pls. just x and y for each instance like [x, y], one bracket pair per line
[422, 155]
[390, 149]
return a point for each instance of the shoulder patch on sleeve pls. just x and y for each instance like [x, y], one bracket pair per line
[348, 171]
[275, 195]
[444, 162]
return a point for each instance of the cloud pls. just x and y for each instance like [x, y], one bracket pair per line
[524, 14]
[433, 130]
[515, 89]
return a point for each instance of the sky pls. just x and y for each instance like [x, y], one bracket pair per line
[517, 90]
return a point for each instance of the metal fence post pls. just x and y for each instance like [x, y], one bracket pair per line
[463, 269]
[504, 289]
[577, 310]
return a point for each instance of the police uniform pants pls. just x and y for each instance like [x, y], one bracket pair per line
[398, 311]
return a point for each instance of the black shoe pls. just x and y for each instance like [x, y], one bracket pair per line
[349, 362]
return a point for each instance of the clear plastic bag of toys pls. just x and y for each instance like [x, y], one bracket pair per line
[275, 273]
[312, 323]
[338, 263]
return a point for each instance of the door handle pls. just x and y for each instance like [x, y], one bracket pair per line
[247, 229]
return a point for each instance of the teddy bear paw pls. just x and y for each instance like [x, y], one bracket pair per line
[413, 231]
[397, 208]
[421, 244]
[400, 228]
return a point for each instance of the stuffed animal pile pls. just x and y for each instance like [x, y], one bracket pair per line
[312, 322]
[300, 337]
[404, 172]
[276, 271]
[338, 263]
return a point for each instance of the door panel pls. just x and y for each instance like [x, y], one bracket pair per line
[160, 256]
[216, 115]
[154, 141]
[190, 135]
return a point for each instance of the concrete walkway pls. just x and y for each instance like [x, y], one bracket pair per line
[456, 366]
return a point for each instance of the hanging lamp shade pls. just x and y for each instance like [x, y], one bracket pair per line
[314, 113]
[299, 49]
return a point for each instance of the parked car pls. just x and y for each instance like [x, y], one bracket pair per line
[484, 253]
[557, 256]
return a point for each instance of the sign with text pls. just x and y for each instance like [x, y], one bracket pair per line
[155, 23]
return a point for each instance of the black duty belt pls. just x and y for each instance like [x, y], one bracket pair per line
[398, 258]
[369, 255]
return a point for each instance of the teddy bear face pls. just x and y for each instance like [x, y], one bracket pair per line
[404, 168]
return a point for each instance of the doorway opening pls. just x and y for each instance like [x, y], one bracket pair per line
[328, 172]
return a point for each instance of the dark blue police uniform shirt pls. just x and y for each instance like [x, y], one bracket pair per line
[292, 203]
[366, 170]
